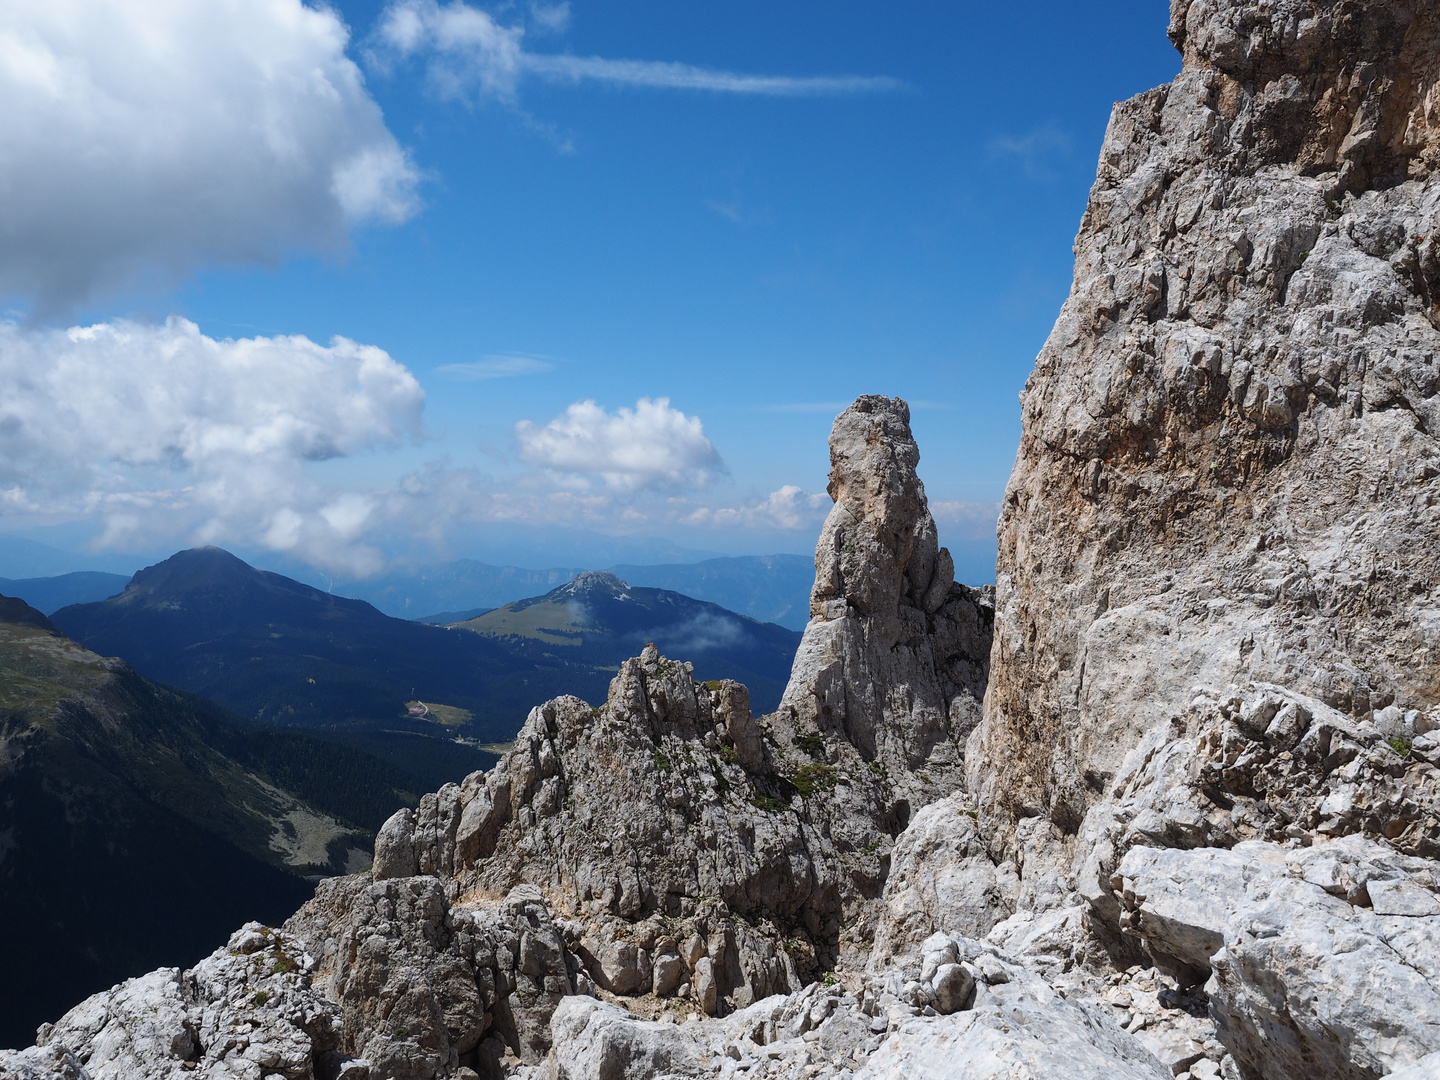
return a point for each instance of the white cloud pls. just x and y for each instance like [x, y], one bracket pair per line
[142, 139]
[1038, 151]
[650, 445]
[966, 520]
[789, 508]
[550, 18]
[157, 429]
[500, 366]
[468, 52]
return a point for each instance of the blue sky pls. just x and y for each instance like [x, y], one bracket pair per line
[540, 233]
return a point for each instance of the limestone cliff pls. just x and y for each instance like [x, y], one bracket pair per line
[1228, 460]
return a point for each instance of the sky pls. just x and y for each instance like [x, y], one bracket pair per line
[397, 280]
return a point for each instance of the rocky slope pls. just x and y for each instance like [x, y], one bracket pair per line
[1182, 822]
[126, 838]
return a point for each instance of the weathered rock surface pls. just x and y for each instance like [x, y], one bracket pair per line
[1216, 606]
[894, 661]
[1228, 453]
[667, 845]
[1427, 1068]
[1195, 829]
[367, 981]
[674, 824]
[247, 1010]
[942, 879]
[1006, 1022]
[1308, 974]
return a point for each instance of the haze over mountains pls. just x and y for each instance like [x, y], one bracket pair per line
[769, 588]
[281, 652]
[604, 621]
[49, 594]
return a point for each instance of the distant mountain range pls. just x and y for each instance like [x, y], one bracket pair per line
[602, 620]
[280, 652]
[50, 594]
[139, 825]
[769, 588]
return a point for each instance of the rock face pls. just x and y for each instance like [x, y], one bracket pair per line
[1008, 1023]
[894, 661]
[1227, 465]
[666, 848]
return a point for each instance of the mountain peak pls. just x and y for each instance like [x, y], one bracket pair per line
[590, 582]
[18, 612]
[194, 566]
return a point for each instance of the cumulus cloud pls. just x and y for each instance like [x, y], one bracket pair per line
[469, 53]
[630, 449]
[142, 139]
[158, 428]
[789, 508]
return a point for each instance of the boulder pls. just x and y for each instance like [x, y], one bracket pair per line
[1300, 978]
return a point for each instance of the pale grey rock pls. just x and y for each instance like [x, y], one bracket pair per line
[1228, 454]
[1177, 1051]
[894, 660]
[669, 973]
[1401, 897]
[1022, 1029]
[395, 847]
[1019, 1029]
[597, 1041]
[706, 993]
[420, 980]
[1216, 775]
[1300, 979]
[41, 1063]
[1427, 1068]
[942, 879]
[235, 1014]
[952, 986]
[619, 966]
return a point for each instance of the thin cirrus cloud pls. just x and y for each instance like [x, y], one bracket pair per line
[161, 432]
[1039, 151]
[468, 53]
[651, 445]
[497, 366]
[144, 139]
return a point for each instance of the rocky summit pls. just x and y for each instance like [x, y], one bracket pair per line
[1164, 804]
